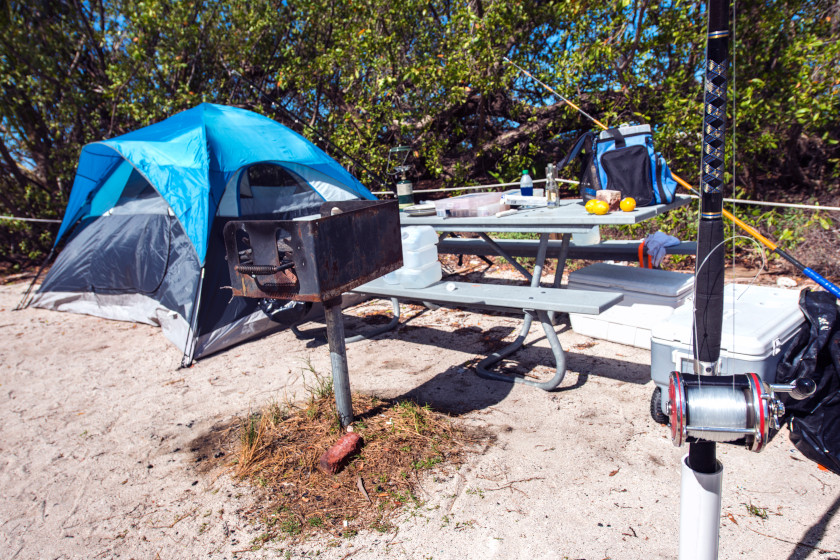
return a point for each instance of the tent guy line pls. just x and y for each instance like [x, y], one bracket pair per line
[39, 220]
[571, 182]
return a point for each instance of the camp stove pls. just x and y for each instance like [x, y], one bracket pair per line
[728, 408]
[317, 260]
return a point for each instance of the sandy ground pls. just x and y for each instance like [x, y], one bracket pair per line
[103, 440]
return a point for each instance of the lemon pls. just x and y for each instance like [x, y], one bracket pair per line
[596, 206]
[628, 204]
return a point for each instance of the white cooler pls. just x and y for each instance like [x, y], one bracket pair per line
[650, 296]
[759, 323]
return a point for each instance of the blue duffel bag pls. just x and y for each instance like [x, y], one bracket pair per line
[623, 159]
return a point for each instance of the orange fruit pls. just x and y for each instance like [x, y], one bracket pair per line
[590, 205]
[627, 204]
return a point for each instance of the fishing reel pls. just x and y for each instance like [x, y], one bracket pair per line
[728, 408]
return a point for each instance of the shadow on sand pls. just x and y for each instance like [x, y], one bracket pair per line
[458, 390]
[809, 544]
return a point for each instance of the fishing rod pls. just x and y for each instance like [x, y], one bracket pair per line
[297, 120]
[707, 407]
[700, 502]
[807, 271]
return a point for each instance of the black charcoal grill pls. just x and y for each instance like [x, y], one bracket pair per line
[317, 260]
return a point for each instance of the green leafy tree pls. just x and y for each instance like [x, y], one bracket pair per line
[372, 74]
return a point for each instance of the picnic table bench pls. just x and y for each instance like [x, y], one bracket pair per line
[616, 250]
[533, 301]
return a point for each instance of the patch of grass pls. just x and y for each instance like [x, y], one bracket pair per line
[426, 463]
[252, 443]
[290, 526]
[279, 449]
[476, 492]
[414, 415]
[406, 497]
[462, 525]
[276, 412]
[756, 511]
[382, 526]
[320, 386]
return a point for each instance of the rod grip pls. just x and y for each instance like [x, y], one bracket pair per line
[708, 301]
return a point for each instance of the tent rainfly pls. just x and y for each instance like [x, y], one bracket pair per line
[143, 225]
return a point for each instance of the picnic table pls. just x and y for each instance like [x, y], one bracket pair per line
[533, 300]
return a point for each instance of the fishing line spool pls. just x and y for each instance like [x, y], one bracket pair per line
[728, 408]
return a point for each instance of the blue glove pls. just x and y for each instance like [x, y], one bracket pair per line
[656, 244]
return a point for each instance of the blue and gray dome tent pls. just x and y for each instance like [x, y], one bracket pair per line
[146, 212]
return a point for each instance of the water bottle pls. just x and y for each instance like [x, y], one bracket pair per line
[526, 184]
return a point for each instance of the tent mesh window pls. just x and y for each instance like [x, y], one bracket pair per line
[269, 190]
[266, 191]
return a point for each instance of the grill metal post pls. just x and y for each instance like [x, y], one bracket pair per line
[338, 359]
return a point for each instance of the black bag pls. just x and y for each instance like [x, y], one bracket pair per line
[815, 354]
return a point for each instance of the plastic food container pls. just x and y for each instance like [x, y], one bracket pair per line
[420, 258]
[415, 238]
[592, 237]
[470, 205]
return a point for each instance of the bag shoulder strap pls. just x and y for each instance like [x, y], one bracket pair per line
[658, 171]
[620, 142]
[584, 141]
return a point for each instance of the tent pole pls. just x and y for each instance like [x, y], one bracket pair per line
[23, 302]
[192, 336]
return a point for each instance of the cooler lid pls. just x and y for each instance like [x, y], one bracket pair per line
[755, 320]
[615, 277]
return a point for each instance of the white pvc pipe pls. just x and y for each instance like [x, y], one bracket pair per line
[699, 513]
